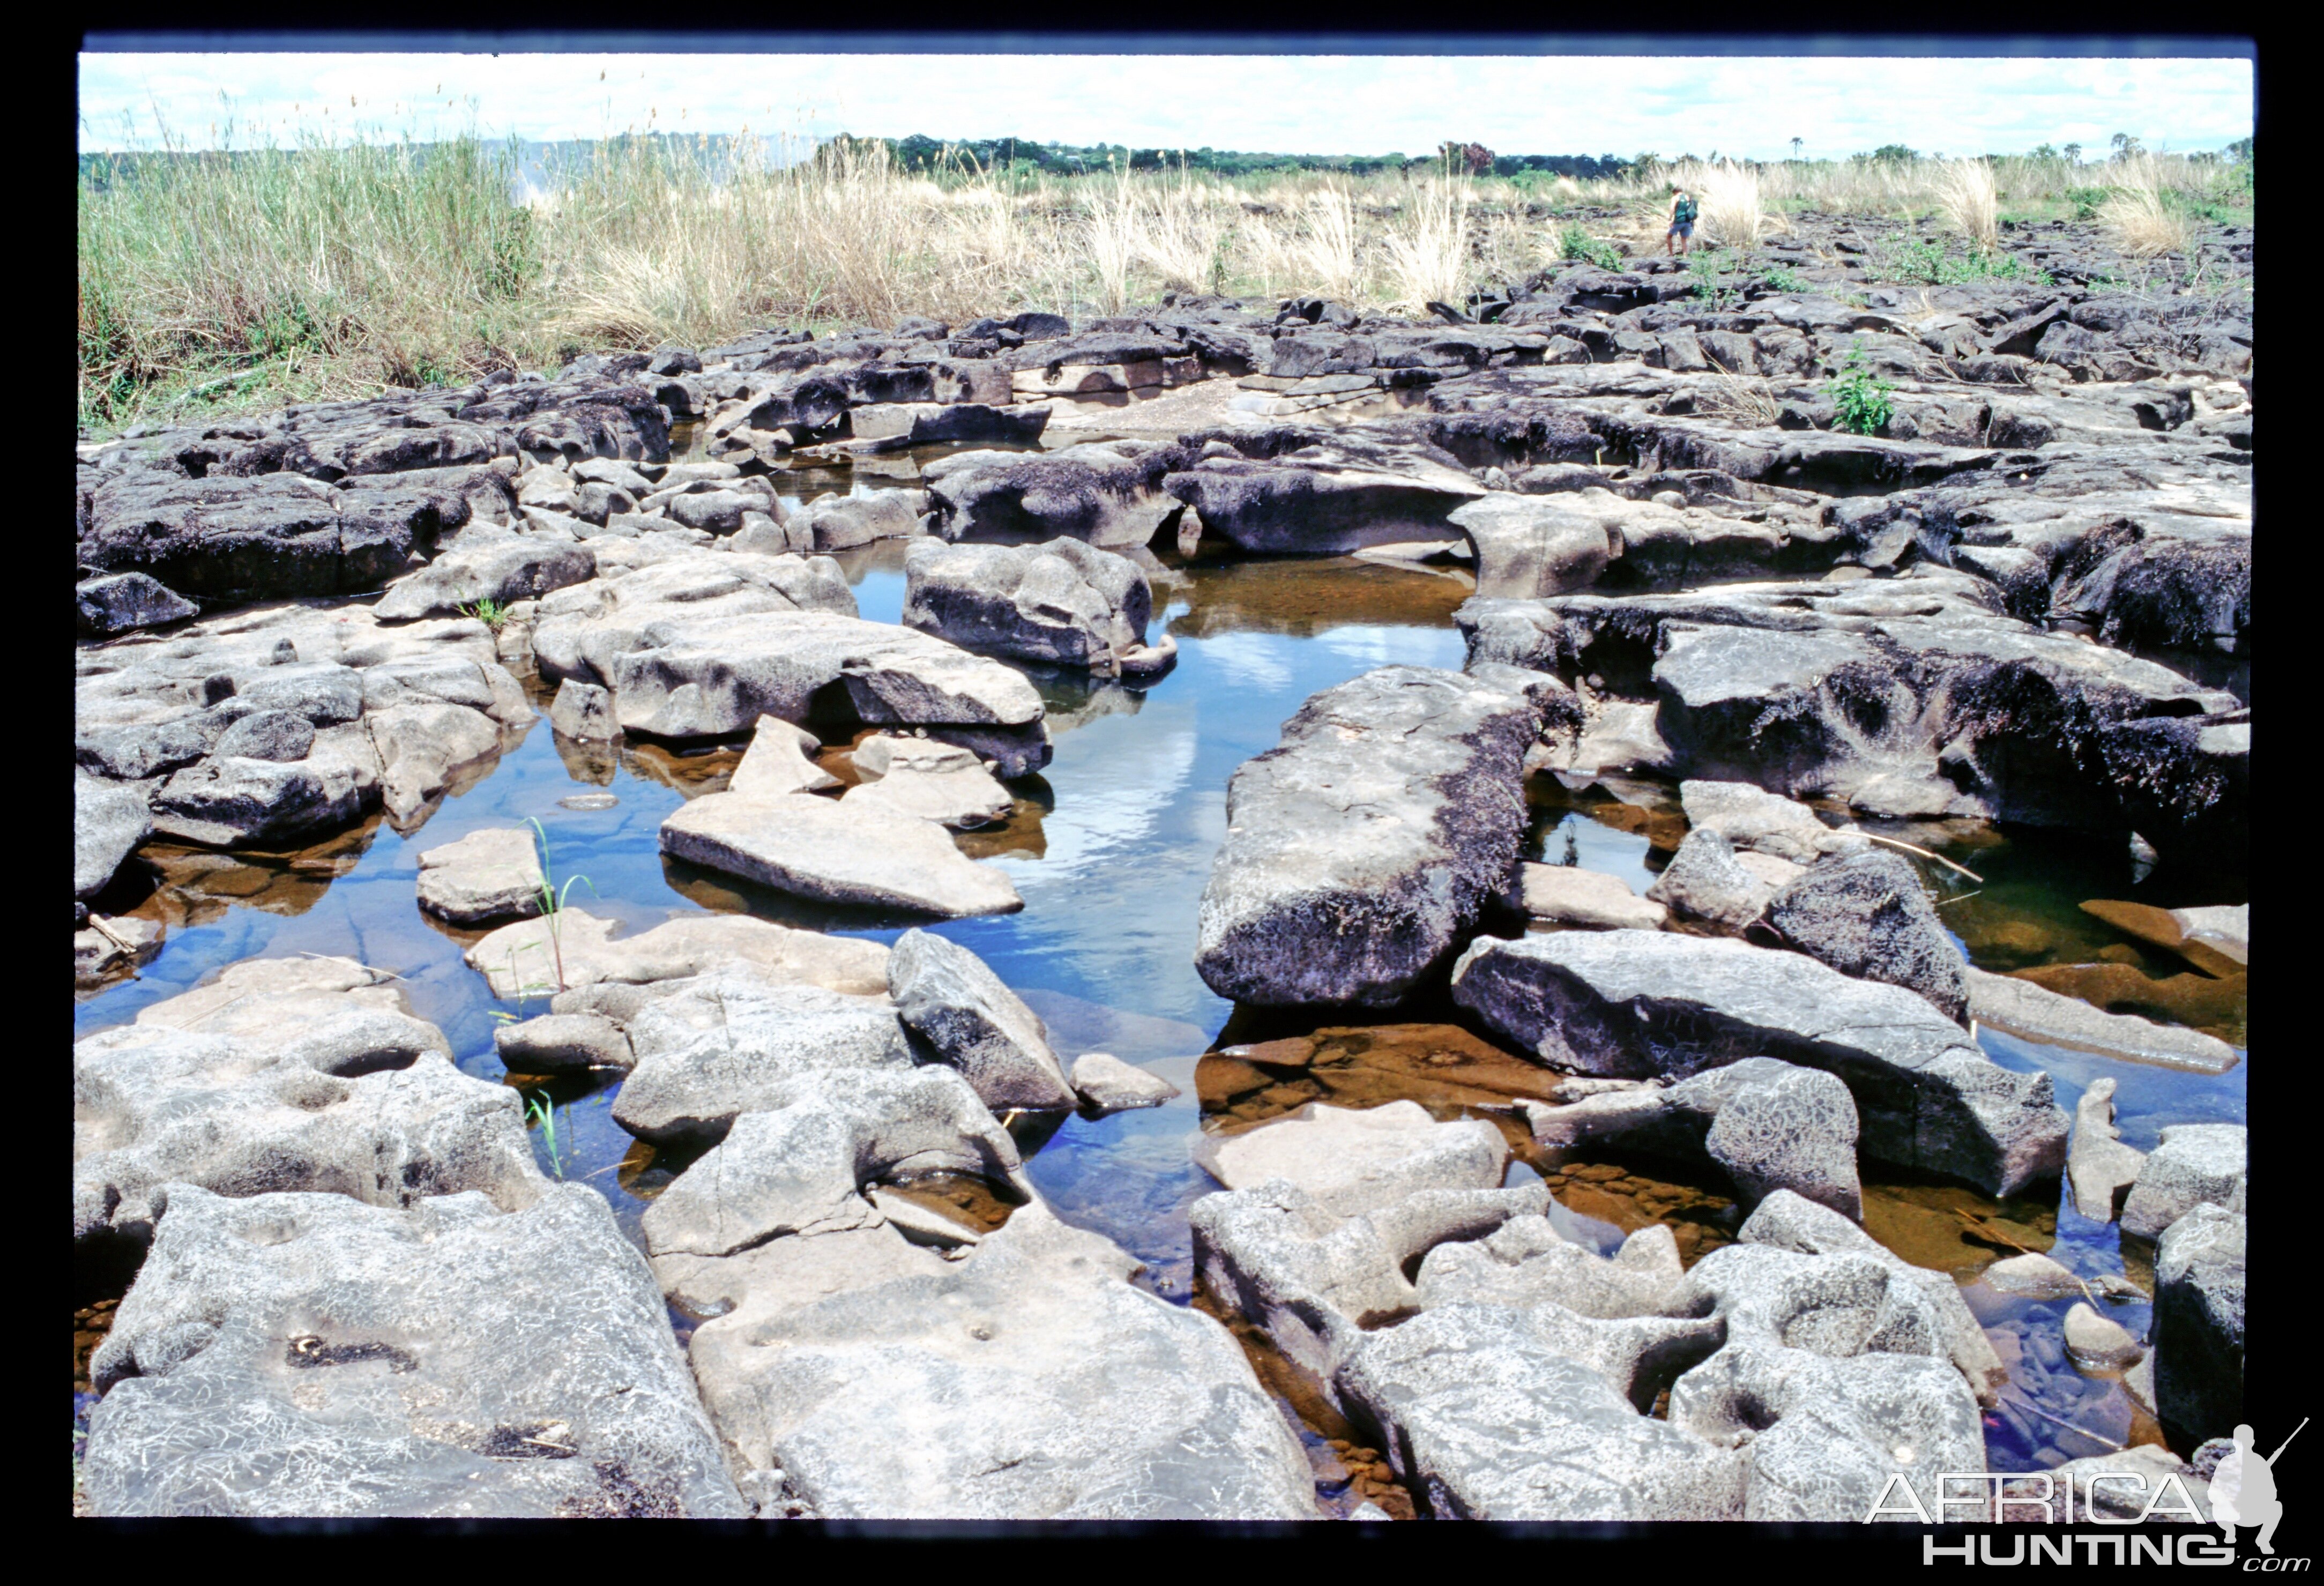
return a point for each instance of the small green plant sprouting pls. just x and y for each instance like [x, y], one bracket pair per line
[1861, 397]
[1930, 265]
[1574, 243]
[491, 613]
[1782, 279]
[552, 900]
[543, 1117]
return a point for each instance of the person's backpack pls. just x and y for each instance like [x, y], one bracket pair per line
[1685, 215]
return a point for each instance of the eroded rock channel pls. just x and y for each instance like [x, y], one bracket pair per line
[1242, 911]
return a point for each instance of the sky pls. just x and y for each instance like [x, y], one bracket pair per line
[1745, 107]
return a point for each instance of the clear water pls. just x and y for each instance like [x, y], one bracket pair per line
[1124, 822]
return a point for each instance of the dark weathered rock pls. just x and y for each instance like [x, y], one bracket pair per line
[1108, 495]
[521, 567]
[1645, 1003]
[1868, 914]
[237, 539]
[947, 997]
[1360, 846]
[1704, 882]
[117, 602]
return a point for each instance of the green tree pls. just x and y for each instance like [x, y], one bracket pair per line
[1797, 144]
[2073, 154]
[1894, 153]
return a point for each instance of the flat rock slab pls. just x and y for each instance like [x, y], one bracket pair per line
[1637, 1004]
[1037, 1382]
[820, 849]
[1105, 1083]
[1752, 818]
[1361, 844]
[1353, 1162]
[1565, 894]
[301, 1355]
[487, 875]
[519, 959]
[2036, 1013]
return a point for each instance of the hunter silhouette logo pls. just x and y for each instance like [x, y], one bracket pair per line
[2243, 1489]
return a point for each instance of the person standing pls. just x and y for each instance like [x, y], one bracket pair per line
[1681, 223]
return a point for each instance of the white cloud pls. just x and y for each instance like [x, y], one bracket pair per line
[1365, 104]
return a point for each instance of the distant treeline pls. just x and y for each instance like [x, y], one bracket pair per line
[918, 153]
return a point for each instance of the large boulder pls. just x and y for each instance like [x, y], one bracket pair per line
[1361, 847]
[1064, 602]
[799, 1160]
[835, 851]
[285, 1074]
[1105, 495]
[2192, 1164]
[1868, 914]
[1037, 1382]
[301, 1355]
[1647, 1004]
[949, 998]
[108, 823]
[1705, 882]
[2199, 1323]
[119, 603]
[1487, 1412]
[1529, 546]
[1327, 501]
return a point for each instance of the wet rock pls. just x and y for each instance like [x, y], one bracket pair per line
[521, 959]
[2192, 1165]
[284, 1076]
[2160, 927]
[1370, 837]
[2095, 1342]
[2226, 930]
[963, 797]
[1868, 914]
[487, 875]
[519, 567]
[584, 712]
[1105, 495]
[1832, 1381]
[1105, 1083]
[1787, 1222]
[2036, 1277]
[1064, 603]
[297, 1355]
[422, 746]
[837, 853]
[1313, 1282]
[2036, 1013]
[1753, 819]
[1526, 1263]
[2197, 1346]
[694, 1075]
[109, 822]
[2098, 1167]
[1488, 1413]
[882, 753]
[777, 763]
[119, 603]
[797, 1162]
[1703, 882]
[562, 1043]
[1351, 1162]
[1041, 1384]
[838, 522]
[1565, 894]
[945, 995]
[940, 423]
[1532, 546]
[1601, 1002]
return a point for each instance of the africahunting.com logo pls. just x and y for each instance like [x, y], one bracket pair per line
[2240, 1495]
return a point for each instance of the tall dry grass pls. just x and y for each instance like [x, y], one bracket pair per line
[2137, 214]
[336, 271]
[1966, 199]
